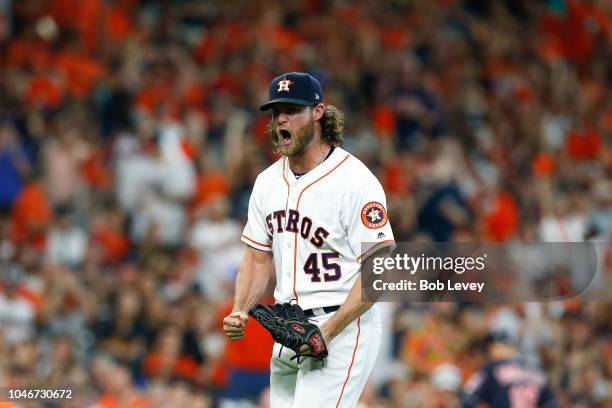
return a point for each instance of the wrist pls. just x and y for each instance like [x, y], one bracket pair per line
[327, 331]
[239, 307]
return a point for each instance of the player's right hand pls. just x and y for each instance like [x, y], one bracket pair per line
[234, 324]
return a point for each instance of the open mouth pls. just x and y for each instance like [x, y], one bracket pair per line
[285, 136]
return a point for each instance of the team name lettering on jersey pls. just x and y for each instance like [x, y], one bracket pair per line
[291, 221]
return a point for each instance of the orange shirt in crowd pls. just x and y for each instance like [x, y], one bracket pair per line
[573, 34]
[111, 401]
[83, 16]
[81, 72]
[94, 171]
[543, 165]
[501, 221]
[384, 121]
[395, 38]
[210, 185]
[260, 125]
[194, 95]
[30, 217]
[184, 366]
[115, 245]
[584, 144]
[253, 352]
[24, 52]
[160, 96]
[395, 180]
[118, 23]
[44, 91]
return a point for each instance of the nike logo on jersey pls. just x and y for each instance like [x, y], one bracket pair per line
[291, 221]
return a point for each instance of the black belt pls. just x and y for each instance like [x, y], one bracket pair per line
[320, 311]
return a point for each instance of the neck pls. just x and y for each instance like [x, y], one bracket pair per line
[315, 154]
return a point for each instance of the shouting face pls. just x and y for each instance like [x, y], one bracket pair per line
[292, 128]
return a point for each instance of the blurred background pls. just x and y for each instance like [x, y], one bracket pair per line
[130, 139]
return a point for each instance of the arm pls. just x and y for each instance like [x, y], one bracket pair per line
[251, 284]
[351, 309]
[252, 278]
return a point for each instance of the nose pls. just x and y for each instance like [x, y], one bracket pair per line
[282, 118]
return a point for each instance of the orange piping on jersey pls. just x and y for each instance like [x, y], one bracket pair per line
[296, 234]
[284, 176]
[288, 186]
[374, 246]
[255, 242]
[348, 375]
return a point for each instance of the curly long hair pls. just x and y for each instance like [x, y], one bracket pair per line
[332, 128]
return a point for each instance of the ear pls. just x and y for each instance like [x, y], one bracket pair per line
[318, 111]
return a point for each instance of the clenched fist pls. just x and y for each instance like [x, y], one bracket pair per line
[234, 324]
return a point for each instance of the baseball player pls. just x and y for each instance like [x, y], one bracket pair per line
[313, 216]
[506, 381]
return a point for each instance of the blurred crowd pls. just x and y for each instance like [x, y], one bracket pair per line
[130, 139]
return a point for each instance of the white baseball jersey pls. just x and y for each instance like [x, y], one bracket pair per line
[315, 226]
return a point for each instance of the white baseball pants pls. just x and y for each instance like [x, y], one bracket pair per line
[337, 381]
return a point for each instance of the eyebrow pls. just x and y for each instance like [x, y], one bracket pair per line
[289, 108]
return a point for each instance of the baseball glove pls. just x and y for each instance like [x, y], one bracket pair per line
[291, 328]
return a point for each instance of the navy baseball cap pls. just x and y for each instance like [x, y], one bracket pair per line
[294, 87]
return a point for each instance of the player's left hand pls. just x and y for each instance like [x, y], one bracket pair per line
[290, 327]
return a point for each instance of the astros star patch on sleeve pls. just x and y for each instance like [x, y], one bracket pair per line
[373, 215]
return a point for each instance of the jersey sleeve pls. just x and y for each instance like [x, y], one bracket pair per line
[474, 390]
[255, 233]
[366, 221]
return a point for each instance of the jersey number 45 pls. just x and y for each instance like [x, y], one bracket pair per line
[311, 267]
